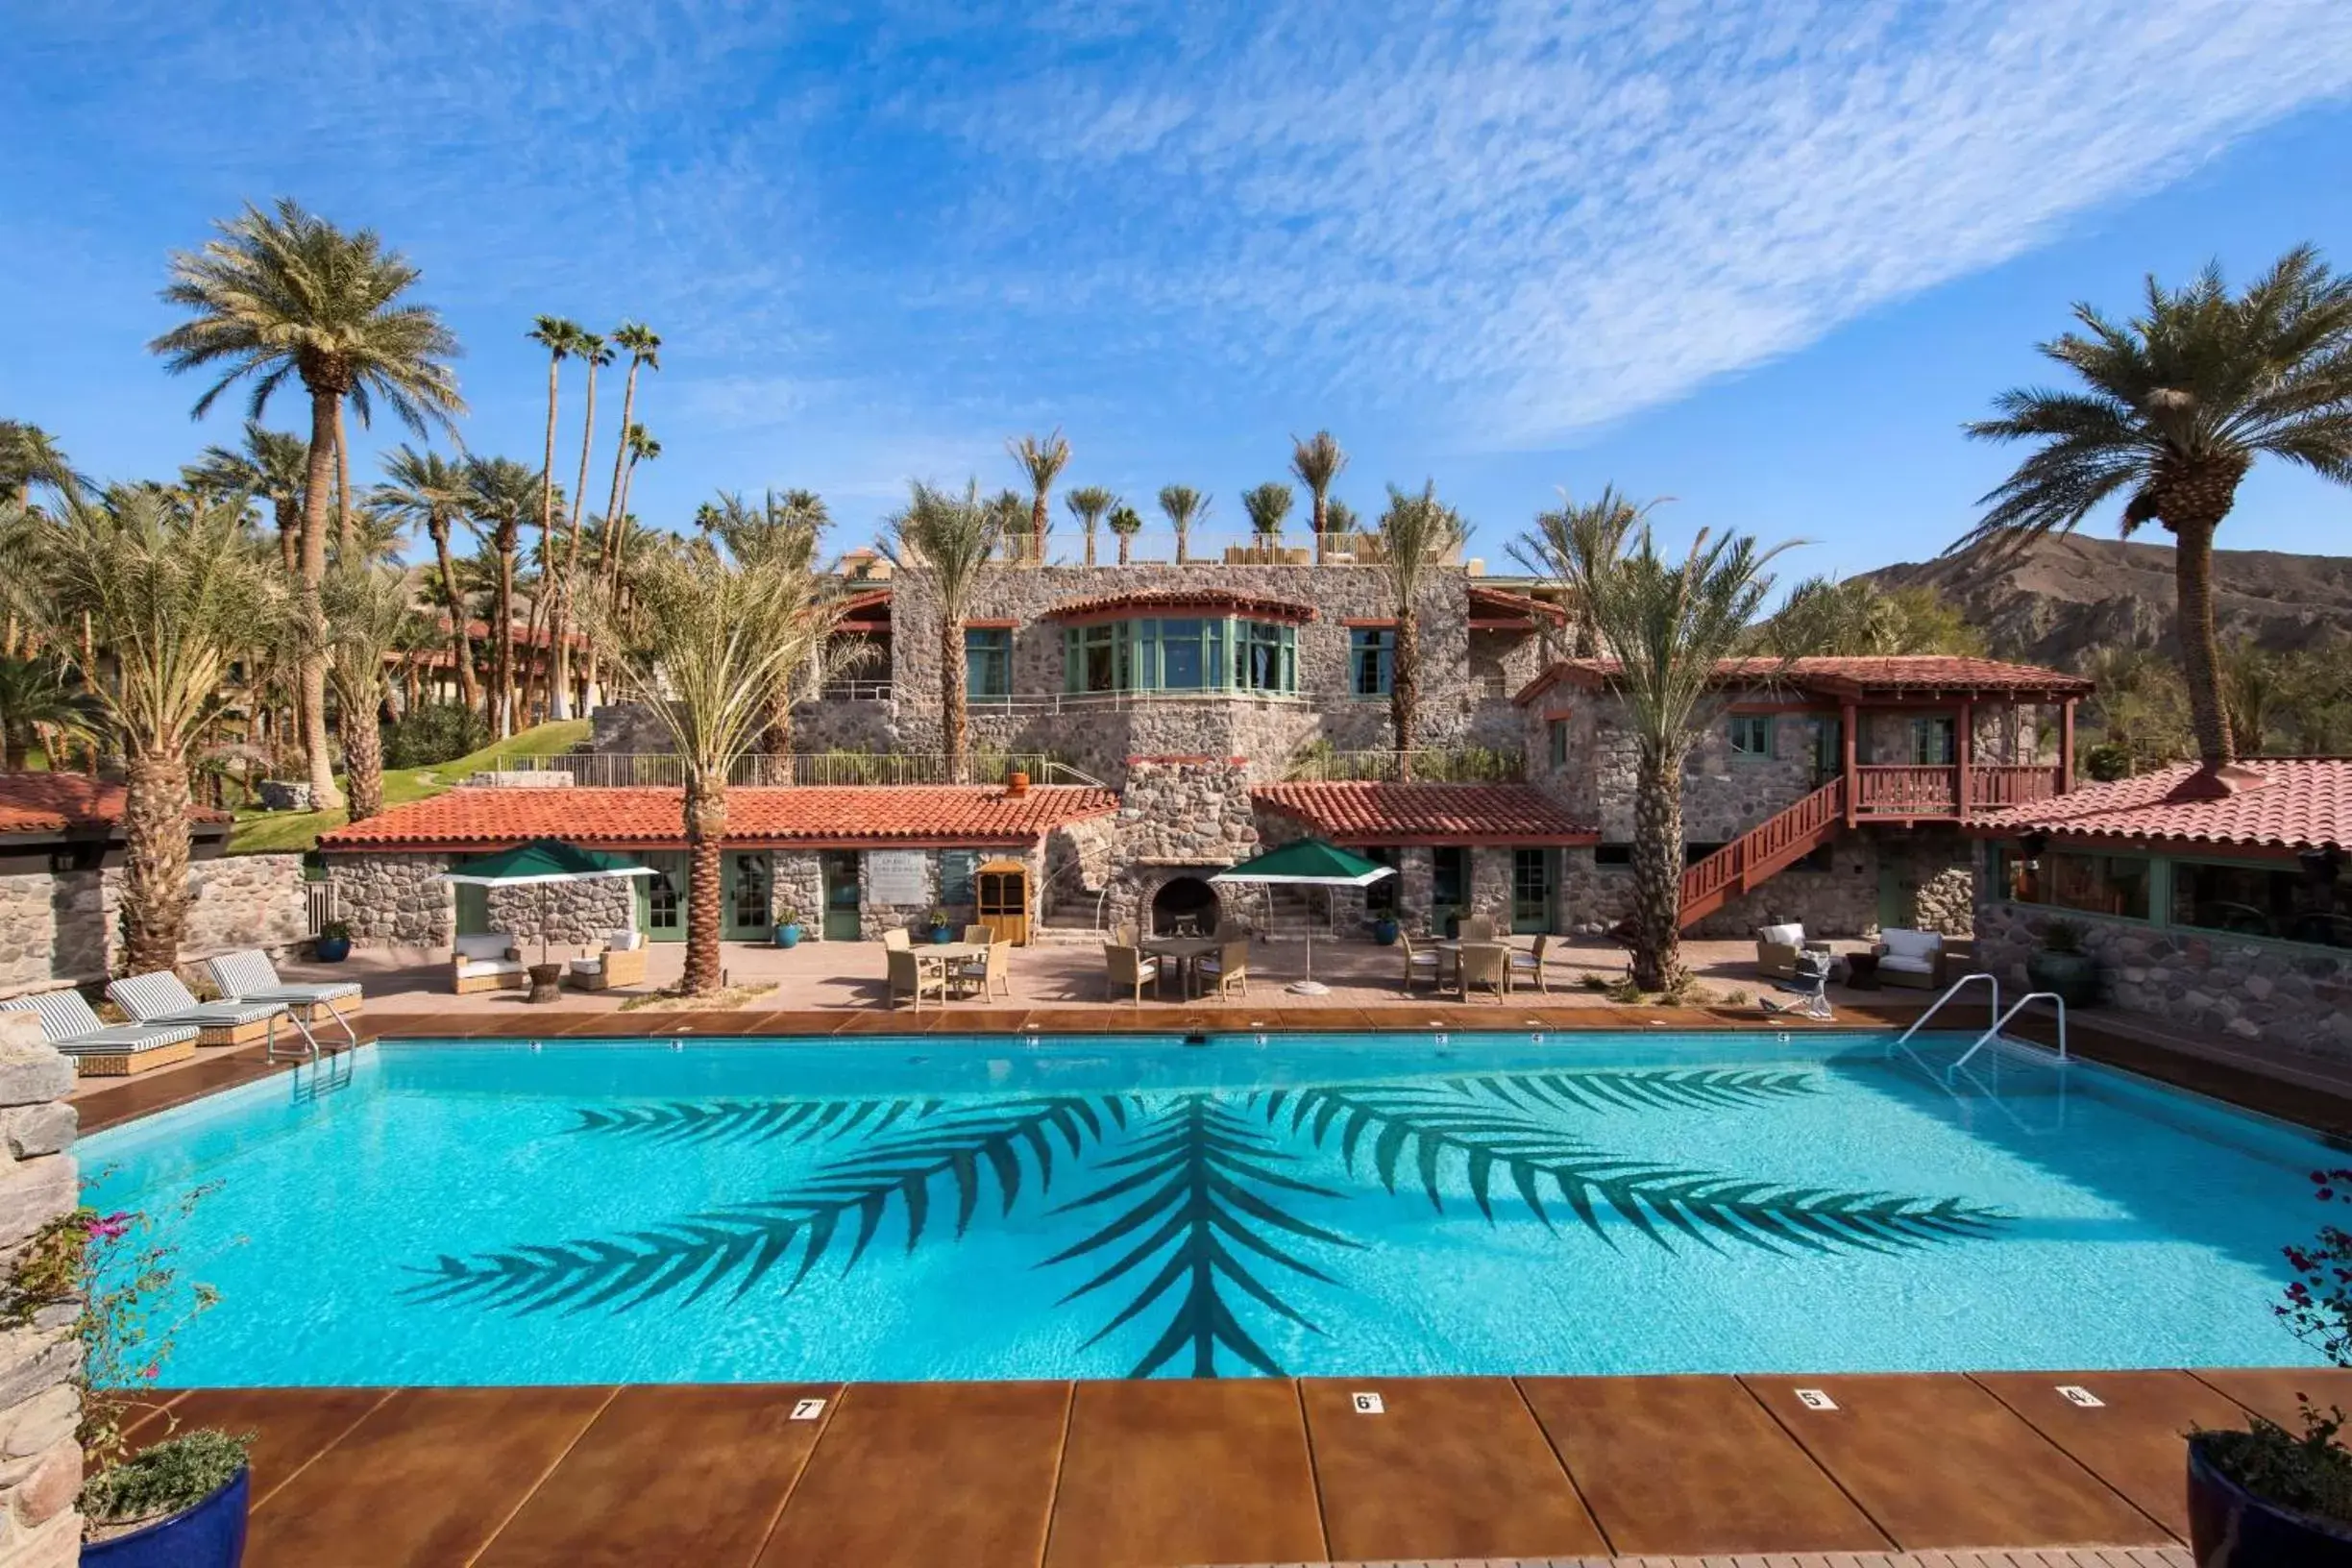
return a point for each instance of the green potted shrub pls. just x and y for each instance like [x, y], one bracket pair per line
[1385, 930]
[936, 922]
[179, 1499]
[332, 944]
[2267, 1497]
[788, 929]
[2060, 965]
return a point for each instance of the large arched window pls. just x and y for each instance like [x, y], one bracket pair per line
[1181, 653]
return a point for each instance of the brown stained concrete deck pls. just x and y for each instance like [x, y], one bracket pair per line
[1157, 1475]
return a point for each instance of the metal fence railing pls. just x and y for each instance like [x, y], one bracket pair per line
[1445, 765]
[624, 770]
[318, 906]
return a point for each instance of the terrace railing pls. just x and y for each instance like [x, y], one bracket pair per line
[622, 770]
[1465, 765]
[1934, 791]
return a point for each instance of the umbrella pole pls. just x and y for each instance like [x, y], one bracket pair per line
[1309, 985]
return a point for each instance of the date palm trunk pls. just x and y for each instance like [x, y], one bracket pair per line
[363, 760]
[706, 820]
[1404, 687]
[1125, 542]
[156, 811]
[2199, 648]
[502, 662]
[326, 409]
[1658, 870]
[953, 717]
[461, 638]
[560, 617]
[344, 532]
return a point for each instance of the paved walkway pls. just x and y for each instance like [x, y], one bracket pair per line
[1159, 1474]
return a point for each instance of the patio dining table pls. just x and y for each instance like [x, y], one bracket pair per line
[948, 954]
[1185, 952]
[1452, 948]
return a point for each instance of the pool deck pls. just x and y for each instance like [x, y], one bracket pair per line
[1160, 1473]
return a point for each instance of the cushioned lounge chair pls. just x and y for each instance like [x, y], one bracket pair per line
[1910, 958]
[249, 976]
[488, 962]
[622, 963]
[162, 998]
[1777, 948]
[100, 1049]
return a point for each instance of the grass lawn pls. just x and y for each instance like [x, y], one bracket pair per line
[259, 832]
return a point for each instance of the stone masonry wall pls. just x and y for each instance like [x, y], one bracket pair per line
[395, 900]
[63, 926]
[579, 913]
[40, 1458]
[2298, 1002]
[798, 889]
[244, 902]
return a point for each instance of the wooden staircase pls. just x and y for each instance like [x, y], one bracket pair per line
[1763, 852]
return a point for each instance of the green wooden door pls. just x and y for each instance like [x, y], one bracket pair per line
[1530, 891]
[472, 909]
[839, 868]
[661, 898]
[746, 896]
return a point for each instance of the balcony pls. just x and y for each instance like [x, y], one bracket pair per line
[1932, 794]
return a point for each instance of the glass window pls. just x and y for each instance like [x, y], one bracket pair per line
[1612, 854]
[1180, 669]
[1371, 660]
[1751, 734]
[1265, 657]
[1531, 889]
[1093, 658]
[1449, 877]
[2095, 884]
[2283, 902]
[988, 661]
[1556, 732]
[1931, 743]
[956, 867]
[1381, 897]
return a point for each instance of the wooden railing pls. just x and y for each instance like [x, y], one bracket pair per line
[1990, 788]
[1906, 791]
[1763, 849]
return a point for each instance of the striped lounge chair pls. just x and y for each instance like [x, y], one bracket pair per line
[249, 976]
[160, 998]
[100, 1049]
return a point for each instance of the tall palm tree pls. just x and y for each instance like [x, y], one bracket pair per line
[951, 537]
[1184, 506]
[368, 621]
[709, 647]
[1572, 542]
[167, 591]
[1042, 462]
[1088, 504]
[643, 344]
[429, 490]
[562, 338]
[1669, 624]
[783, 530]
[1125, 524]
[286, 293]
[41, 700]
[28, 457]
[594, 351]
[1416, 534]
[1267, 504]
[2176, 405]
[637, 446]
[1317, 462]
[641, 449]
[271, 466]
[500, 493]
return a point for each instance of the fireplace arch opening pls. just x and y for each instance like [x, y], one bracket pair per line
[1184, 903]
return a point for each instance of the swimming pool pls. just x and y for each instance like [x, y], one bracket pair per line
[943, 1207]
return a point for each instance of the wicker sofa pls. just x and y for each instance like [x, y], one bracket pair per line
[490, 962]
[1777, 947]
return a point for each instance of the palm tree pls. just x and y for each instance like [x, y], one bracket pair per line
[1317, 463]
[643, 344]
[1573, 542]
[29, 456]
[1184, 506]
[499, 496]
[591, 349]
[1853, 616]
[783, 530]
[1416, 533]
[1042, 461]
[368, 621]
[271, 466]
[286, 293]
[2178, 403]
[641, 449]
[1669, 624]
[1125, 524]
[951, 537]
[167, 590]
[1267, 505]
[1088, 504]
[637, 444]
[711, 645]
[425, 488]
[40, 701]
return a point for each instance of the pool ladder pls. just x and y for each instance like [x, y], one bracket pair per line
[1950, 1077]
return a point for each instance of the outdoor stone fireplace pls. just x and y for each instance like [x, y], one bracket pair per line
[1181, 896]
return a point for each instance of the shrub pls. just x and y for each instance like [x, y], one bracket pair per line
[2062, 937]
[176, 1474]
[435, 732]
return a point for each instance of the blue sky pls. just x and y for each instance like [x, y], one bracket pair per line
[1763, 260]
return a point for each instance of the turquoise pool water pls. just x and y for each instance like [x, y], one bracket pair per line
[986, 1208]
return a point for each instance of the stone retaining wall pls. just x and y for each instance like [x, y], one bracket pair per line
[40, 1458]
[64, 926]
[395, 900]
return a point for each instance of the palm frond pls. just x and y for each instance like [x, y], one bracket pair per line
[748, 1121]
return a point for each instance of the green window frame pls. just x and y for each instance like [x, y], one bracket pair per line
[956, 868]
[1932, 741]
[988, 661]
[1181, 653]
[2112, 887]
[2276, 902]
[1371, 660]
[1556, 733]
[1751, 735]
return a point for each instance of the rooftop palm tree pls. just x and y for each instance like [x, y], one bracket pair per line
[951, 537]
[1267, 505]
[1571, 543]
[713, 643]
[591, 349]
[2176, 405]
[1125, 524]
[1184, 506]
[30, 457]
[151, 595]
[427, 489]
[368, 621]
[1416, 534]
[1042, 462]
[1088, 504]
[1317, 462]
[1668, 625]
[271, 466]
[286, 293]
[500, 493]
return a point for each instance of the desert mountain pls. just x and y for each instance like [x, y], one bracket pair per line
[2062, 599]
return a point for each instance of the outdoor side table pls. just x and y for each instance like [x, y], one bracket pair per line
[545, 982]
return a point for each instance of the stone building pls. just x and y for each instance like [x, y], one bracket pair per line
[2227, 913]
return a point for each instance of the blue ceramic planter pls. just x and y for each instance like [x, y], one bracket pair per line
[942, 935]
[788, 936]
[211, 1535]
[331, 949]
[2231, 1527]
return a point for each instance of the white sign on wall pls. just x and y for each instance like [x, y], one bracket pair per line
[897, 876]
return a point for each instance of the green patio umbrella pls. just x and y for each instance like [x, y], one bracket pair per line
[1308, 862]
[542, 863]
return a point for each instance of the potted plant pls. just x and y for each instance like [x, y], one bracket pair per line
[2267, 1497]
[178, 1500]
[332, 944]
[1385, 930]
[936, 922]
[788, 928]
[2060, 965]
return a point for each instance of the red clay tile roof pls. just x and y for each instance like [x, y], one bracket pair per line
[1492, 603]
[2305, 804]
[810, 816]
[1183, 601]
[1834, 675]
[53, 802]
[1367, 814]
